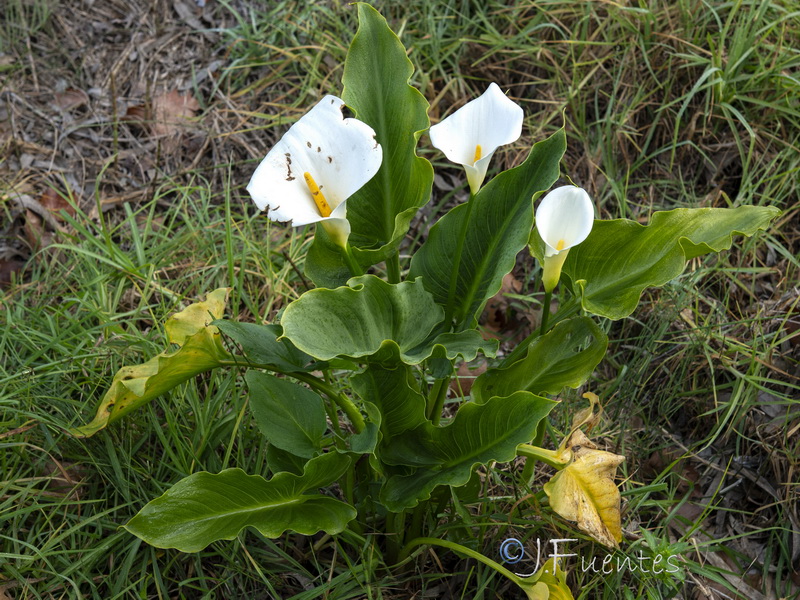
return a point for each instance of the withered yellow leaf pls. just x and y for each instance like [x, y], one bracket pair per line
[584, 491]
[200, 350]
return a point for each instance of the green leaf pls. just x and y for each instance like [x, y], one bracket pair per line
[355, 321]
[200, 351]
[261, 346]
[396, 395]
[376, 75]
[564, 356]
[204, 508]
[372, 318]
[478, 434]
[499, 220]
[366, 441]
[280, 460]
[620, 258]
[290, 416]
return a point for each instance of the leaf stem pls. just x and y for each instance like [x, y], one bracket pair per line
[347, 405]
[549, 457]
[462, 550]
[451, 290]
[436, 399]
[393, 268]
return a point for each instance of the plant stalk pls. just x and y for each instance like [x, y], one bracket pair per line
[404, 553]
[352, 263]
[393, 268]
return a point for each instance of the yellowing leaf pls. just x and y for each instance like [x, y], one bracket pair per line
[584, 491]
[556, 582]
[200, 350]
[550, 583]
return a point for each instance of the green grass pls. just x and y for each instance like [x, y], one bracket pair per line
[666, 103]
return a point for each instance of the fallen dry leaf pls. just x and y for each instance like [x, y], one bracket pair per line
[35, 233]
[70, 98]
[7, 269]
[465, 377]
[497, 319]
[170, 110]
[584, 491]
[55, 203]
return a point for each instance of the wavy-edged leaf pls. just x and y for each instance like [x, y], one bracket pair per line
[621, 258]
[478, 434]
[200, 350]
[205, 507]
[261, 346]
[290, 416]
[564, 357]
[372, 318]
[499, 220]
[376, 75]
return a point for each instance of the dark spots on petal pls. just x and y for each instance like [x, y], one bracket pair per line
[288, 167]
[319, 149]
[333, 101]
[288, 158]
[290, 178]
[330, 159]
[308, 144]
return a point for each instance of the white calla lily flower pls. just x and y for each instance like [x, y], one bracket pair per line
[564, 219]
[322, 160]
[471, 135]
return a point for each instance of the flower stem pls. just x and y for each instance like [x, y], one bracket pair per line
[545, 312]
[352, 263]
[393, 268]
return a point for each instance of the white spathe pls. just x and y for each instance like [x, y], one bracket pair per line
[564, 218]
[340, 155]
[476, 130]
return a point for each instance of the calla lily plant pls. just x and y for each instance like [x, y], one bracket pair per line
[322, 160]
[471, 135]
[349, 387]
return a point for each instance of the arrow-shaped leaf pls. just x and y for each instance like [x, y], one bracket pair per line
[620, 258]
[204, 507]
[478, 434]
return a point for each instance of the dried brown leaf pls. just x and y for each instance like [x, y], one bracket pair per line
[7, 270]
[55, 203]
[71, 98]
[497, 319]
[171, 110]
